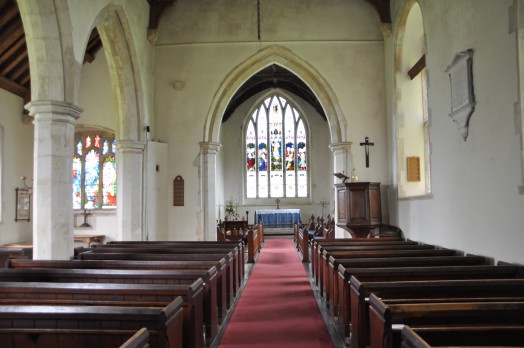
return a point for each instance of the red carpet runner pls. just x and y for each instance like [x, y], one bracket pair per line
[277, 307]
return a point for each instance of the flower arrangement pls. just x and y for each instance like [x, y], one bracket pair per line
[231, 209]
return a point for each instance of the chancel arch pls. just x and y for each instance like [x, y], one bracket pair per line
[284, 57]
[412, 118]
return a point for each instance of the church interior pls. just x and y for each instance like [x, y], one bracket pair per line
[135, 120]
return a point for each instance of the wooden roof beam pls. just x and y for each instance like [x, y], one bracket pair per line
[15, 47]
[11, 35]
[13, 87]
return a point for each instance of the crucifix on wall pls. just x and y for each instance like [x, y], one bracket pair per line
[366, 145]
[277, 201]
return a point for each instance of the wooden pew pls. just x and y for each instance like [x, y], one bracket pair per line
[463, 336]
[225, 279]
[329, 265]
[128, 265]
[327, 274]
[121, 295]
[237, 248]
[178, 254]
[255, 237]
[424, 291]
[138, 340]
[233, 255]
[317, 247]
[89, 326]
[383, 317]
[114, 276]
[344, 276]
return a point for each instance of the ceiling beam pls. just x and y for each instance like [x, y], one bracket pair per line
[11, 35]
[9, 14]
[13, 87]
[418, 67]
[4, 56]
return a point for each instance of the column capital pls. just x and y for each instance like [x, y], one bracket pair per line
[209, 147]
[337, 147]
[53, 109]
[130, 145]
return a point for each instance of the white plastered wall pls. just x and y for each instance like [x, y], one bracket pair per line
[201, 48]
[17, 161]
[476, 206]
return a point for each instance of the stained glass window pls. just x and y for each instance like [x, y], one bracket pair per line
[94, 170]
[276, 151]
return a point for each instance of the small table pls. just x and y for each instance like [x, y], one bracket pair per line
[90, 239]
[278, 217]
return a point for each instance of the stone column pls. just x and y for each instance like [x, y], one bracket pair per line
[208, 159]
[54, 131]
[130, 194]
[342, 162]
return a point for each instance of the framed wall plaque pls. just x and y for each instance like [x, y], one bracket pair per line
[23, 205]
[178, 191]
[462, 97]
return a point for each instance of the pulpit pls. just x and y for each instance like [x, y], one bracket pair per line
[358, 206]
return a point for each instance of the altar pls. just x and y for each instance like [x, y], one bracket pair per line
[278, 217]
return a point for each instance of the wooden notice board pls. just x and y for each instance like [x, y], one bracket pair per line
[413, 164]
[178, 191]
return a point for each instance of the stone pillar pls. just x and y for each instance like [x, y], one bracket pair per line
[342, 162]
[130, 194]
[54, 131]
[208, 160]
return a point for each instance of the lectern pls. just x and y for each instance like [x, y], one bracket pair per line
[358, 206]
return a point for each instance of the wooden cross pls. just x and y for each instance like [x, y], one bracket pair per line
[277, 201]
[367, 144]
[86, 214]
[323, 202]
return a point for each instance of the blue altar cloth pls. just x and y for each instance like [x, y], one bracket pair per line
[278, 217]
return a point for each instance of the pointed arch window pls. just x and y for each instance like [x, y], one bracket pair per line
[94, 170]
[276, 151]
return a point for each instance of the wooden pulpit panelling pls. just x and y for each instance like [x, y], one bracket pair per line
[359, 207]
[341, 207]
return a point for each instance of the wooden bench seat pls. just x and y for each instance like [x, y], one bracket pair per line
[317, 247]
[328, 263]
[113, 276]
[138, 340]
[234, 252]
[463, 336]
[424, 291]
[324, 271]
[89, 326]
[343, 303]
[119, 295]
[131, 265]
[412, 274]
[386, 320]
[336, 282]
[225, 279]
